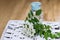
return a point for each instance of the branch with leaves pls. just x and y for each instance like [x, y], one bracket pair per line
[40, 29]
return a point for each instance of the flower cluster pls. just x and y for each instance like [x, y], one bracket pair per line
[28, 30]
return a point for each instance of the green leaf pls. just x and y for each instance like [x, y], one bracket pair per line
[31, 21]
[38, 12]
[29, 15]
[37, 31]
[49, 31]
[58, 34]
[35, 19]
[43, 32]
[41, 26]
[47, 26]
[31, 12]
[40, 33]
[53, 36]
[36, 26]
[46, 35]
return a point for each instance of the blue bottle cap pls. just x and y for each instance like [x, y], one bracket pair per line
[35, 6]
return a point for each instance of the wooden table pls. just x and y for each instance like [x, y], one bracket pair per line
[18, 9]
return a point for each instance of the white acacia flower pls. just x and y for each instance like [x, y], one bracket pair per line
[28, 29]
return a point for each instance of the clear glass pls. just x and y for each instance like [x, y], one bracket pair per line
[36, 6]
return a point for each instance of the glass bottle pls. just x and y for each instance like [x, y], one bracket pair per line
[34, 7]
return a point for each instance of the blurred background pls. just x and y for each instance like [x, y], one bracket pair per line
[18, 10]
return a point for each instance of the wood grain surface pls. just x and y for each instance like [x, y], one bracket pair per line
[18, 10]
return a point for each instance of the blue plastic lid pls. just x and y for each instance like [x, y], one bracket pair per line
[35, 5]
